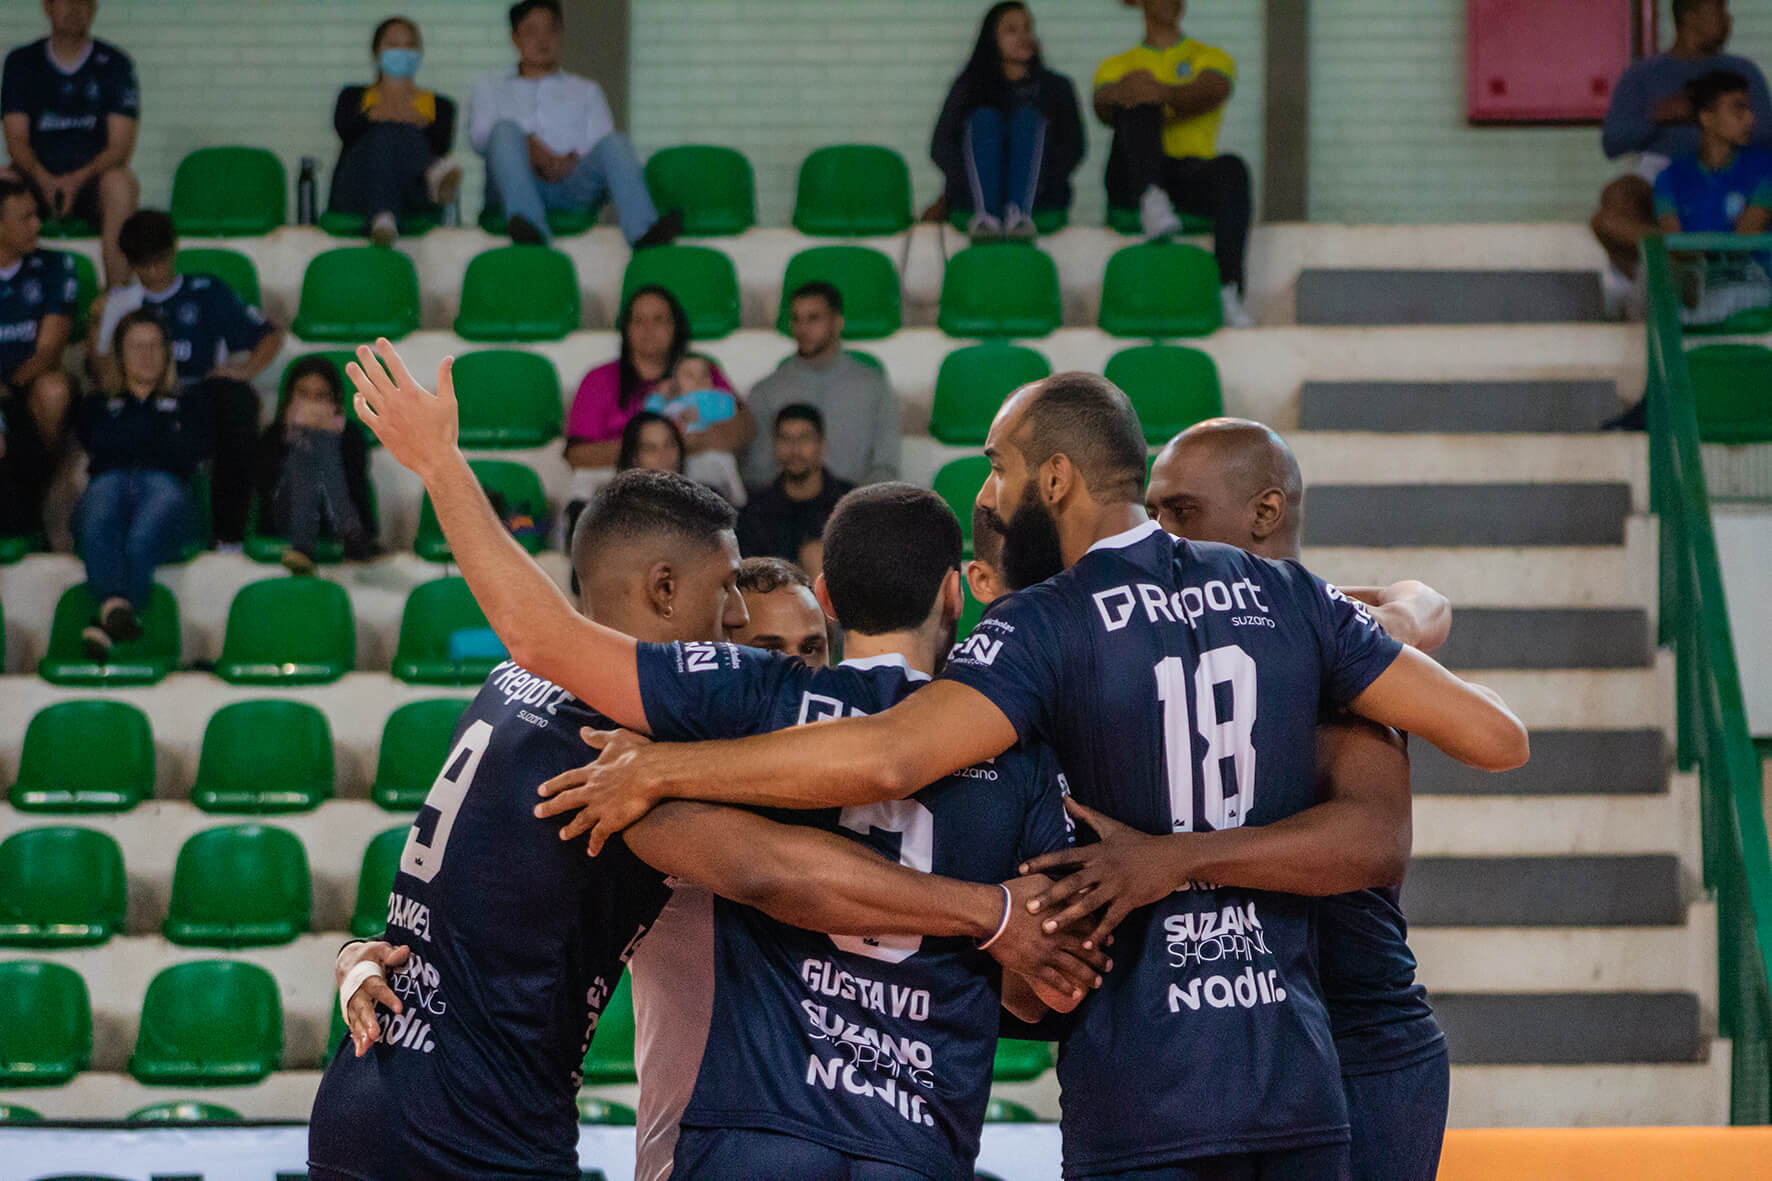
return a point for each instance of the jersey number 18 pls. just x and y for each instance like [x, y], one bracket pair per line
[1226, 737]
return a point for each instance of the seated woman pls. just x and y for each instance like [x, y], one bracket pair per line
[313, 470]
[396, 138]
[143, 442]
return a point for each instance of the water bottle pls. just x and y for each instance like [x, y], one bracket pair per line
[305, 212]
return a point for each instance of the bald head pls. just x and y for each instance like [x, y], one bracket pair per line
[1230, 480]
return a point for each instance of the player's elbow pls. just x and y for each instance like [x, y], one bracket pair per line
[1506, 744]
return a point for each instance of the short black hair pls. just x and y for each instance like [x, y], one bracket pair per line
[1707, 90]
[381, 31]
[145, 235]
[523, 8]
[762, 576]
[10, 188]
[800, 412]
[987, 537]
[640, 503]
[887, 548]
[1089, 419]
[315, 366]
[1685, 8]
[820, 289]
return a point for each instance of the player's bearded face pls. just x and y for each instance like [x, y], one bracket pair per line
[1031, 551]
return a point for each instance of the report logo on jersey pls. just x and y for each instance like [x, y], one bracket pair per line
[1117, 605]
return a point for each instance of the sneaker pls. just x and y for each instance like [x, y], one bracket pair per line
[1235, 314]
[297, 563]
[443, 180]
[96, 643]
[118, 620]
[1020, 226]
[384, 230]
[984, 228]
[1616, 293]
[1156, 215]
[664, 231]
[523, 232]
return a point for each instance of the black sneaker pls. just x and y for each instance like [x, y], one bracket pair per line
[96, 643]
[663, 232]
[118, 620]
[523, 232]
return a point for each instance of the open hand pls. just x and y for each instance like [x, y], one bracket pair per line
[609, 794]
[1124, 870]
[360, 1009]
[418, 428]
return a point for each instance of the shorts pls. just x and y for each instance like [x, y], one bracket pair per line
[1322, 1162]
[86, 202]
[746, 1154]
[1399, 1120]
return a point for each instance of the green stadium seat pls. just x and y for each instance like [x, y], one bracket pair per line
[973, 383]
[1046, 221]
[713, 186]
[1019, 1062]
[958, 483]
[14, 546]
[507, 398]
[562, 223]
[518, 293]
[209, 1023]
[357, 293]
[45, 1024]
[381, 862]
[85, 756]
[229, 193]
[1000, 289]
[1124, 220]
[414, 743]
[355, 225]
[138, 662]
[1161, 289]
[230, 266]
[425, 654]
[852, 190]
[272, 755]
[1007, 1111]
[513, 488]
[12, 1113]
[60, 887]
[867, 280]
[241, 885]
[700, 277]
[85, 291]
[592, 1110]
[1732, 392]
[288, 631]
[611, 1056]
[866, 358]
[1171, 387]
[184, 1111]
[57, 228]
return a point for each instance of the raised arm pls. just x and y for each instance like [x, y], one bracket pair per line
[1469, 722]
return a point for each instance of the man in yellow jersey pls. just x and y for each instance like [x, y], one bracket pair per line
[1165, 100]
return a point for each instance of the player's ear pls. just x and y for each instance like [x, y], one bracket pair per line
[822, 593]
[1058, 476]
[661, 589]
[1268, 513]
[982, 581]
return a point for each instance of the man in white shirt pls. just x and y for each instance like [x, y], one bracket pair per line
[551, 143]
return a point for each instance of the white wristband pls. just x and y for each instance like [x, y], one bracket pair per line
[1008, 904]
[363, 970]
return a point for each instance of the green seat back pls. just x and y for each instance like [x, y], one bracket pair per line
[1007, 1111]
[851, 190]
[867, 358]
[611, 1056]
[866, 278]
[700, 277]
[185, 1111]
[518, 293]
[381, 862]
[85, 756]
[60, 887]
[1000, 289]
[515, 486]
[85, 291]
[272, 755]
[1161, 289]
[241, 885]
[355, 225]
[288, 631]
[414, 743]
[14, 546]
[67, 227]
[592, 1110]
[713, 186]
[436, 610]
[507, 398]
[973, 383]
[12, 1113]
[229, 193]
[562, 223]
[958, 483]
[1732, 392]
[137, 662]
[45, 1024]
[1019, 1062]
[1125, 220]
[357, 293]
[230, 266]
[1172, 387]
[209, 1023]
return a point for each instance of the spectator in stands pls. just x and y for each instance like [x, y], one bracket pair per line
[143, 441]
[1165, 100]
[1727, 186]
[651, 441]
[786, 519]
[551, 143]
[784, 613]
[692, 402]
[70, 105]
[313, 470]
[220, 343]
[395, 136]
[1009, 135]
[858, 406]
[1651, 121]
[37, 296]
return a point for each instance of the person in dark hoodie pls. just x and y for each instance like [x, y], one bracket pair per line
[313, 470]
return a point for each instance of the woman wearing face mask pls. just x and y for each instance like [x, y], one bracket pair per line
[396, 136]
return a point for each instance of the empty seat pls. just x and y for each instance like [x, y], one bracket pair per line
[12, 1113]
[288, 631]
[85, 756]
[507, 398]
[137, 662]
[611, 1056]
[592, 1110]
[231, 192]
[562, 223]
[866, 278]
[184, 1111]
[518, 293]
[1020, 1061]
[431, 650]
[958, 483]
[1732, 392]
[1161, 289]
[209, 1023]
[242, 885]
[1000, 289]
[381, 863]
[700, 277]
[713, 186]
[45, 1024]
[516, 495]
[357, 293]
[230, 266]
[414, 742]
[60, 887]
[264, 756]
[851, 190]
[1171, 387]
[973, 382]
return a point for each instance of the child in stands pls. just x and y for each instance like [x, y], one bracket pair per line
[693, 401]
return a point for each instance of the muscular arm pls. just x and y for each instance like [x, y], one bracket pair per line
[1201, 96]
[1410, 612]
[1469, 722]
[53, 334]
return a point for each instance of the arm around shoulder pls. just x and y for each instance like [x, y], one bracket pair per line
[1467, 721]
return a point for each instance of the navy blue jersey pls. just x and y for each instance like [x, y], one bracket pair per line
[205, 321]
[68, 110]
[1180, 685]
[1380, 1016]
[42, 284]
[878, 1048]
[517, 940]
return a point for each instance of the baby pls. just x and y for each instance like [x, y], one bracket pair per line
[691, 399]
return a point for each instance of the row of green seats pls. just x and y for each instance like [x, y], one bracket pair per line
[181, 1111]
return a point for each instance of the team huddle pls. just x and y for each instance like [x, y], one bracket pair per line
[834, 886]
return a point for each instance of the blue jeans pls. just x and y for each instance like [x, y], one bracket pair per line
[1003, 158]
[129, 522]
[610, 169]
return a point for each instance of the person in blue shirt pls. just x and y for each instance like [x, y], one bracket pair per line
[1726, 185]
[38, 293]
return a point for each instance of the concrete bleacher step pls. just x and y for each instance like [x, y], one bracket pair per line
[1571, 1027]
[1362, 296]
[1568, 959]
[1457, 407]
[1581, 637]
[1393, 515]
[1641, 890]
[1564, 762]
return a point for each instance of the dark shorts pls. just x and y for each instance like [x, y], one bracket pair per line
[86, 203]
[1399, 1120]
[744, 1154]
[1324, 1162]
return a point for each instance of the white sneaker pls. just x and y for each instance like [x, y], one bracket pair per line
[1620, 296]
[1235, 314]
[1019, 227]
[1156, 216]
[384, 230]
[443, 180]
[984, 228]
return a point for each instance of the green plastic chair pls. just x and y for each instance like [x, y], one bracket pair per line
[85, 291]
[85, 756]
[209, 1023]
[230, 266]
[288, 631]
[1019, 1062]
[231, 192]
[513, 485]
[700, 277]
[713, 186]
[595, 1111]
[1046, 221]
[60, 887]
[1732, 392]
[1172, 387]
[562, 223]
[14, 546]
[958, 483]
[866, 358]
[507, 398]
[851, 190]
[1161, 289]
[241, 885]
[67, 227]
[1124, 219]
[414, 743]
[12, 1113]
[518, 293]
[338, 224]
[357, 293]
[434, 612]
[381, 864]
[263, 757]
[611, 1056]
[45, 1024]
[141, 661]
[1001, 289]
[1007, 1111]
[184, 1111]
[973, 383]
[867, 280]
